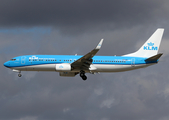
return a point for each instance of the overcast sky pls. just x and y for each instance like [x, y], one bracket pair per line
[75, 27]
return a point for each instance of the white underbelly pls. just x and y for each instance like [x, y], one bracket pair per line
[44, 67]
[99, 67]
[118, 68]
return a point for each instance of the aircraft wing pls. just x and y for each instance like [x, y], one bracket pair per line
[84, 62]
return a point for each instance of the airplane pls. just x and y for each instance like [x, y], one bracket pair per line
[71, 65]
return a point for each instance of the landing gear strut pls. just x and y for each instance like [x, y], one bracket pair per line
[82, 75]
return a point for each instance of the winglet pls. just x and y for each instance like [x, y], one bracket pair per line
[100, 44]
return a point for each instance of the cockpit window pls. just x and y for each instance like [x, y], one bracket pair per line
[13, 59]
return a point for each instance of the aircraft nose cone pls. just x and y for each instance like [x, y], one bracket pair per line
[6, 64]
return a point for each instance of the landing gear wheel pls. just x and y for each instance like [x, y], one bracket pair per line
[84, 78]
[82, 75]
[19, 75]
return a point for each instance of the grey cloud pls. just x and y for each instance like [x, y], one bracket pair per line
[134, 95]
[79, 15]
[48, 96]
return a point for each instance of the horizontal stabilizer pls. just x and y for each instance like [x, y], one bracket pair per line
[154, 58]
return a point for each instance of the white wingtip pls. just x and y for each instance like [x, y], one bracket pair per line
[100, 44]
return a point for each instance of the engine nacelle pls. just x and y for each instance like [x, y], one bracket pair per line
[63, 67]
[67, 74]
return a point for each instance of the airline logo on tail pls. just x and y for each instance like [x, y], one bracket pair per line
[150, 46]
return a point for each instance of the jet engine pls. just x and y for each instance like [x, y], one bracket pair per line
[63, 67]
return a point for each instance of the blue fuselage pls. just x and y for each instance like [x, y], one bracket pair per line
[101, 63]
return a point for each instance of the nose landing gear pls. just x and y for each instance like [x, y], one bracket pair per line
[82, 75]
[18, 71]
[19, 75]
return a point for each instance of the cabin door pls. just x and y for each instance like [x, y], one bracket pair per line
[133, 62]
[23, 59]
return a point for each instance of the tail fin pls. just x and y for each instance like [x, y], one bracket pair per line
[151, 46]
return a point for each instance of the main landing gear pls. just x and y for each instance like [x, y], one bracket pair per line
[82, 75]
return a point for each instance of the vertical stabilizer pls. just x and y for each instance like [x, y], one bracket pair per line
[151, 46]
